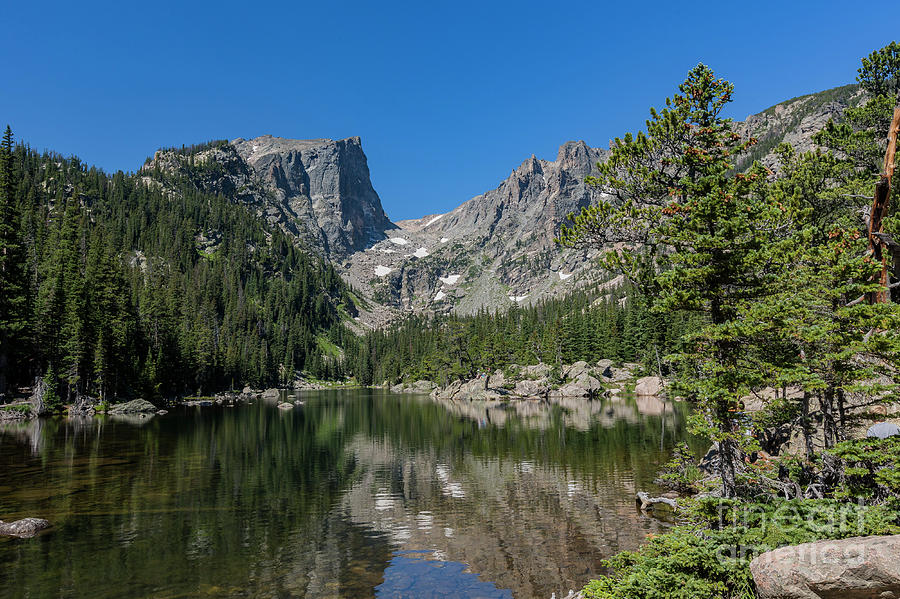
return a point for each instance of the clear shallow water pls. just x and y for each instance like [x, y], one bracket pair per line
[355, 494]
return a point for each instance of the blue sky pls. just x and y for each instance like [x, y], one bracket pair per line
[448, 97]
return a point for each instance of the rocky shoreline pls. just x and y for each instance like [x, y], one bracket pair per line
[605, 378]
[541, 381]
[30, 402]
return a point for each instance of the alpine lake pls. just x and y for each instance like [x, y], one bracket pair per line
[353, 494]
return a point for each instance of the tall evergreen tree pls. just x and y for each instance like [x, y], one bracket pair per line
[12, 280]
[708, 239]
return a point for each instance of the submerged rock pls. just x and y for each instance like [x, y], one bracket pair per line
[24, 528]
[855, 568]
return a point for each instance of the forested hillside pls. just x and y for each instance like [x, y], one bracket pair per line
[601, 322]
[113, 287]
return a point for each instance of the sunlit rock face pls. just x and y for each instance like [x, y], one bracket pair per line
[318, 190]
[324, 183]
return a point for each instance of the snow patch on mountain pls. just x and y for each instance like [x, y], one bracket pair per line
[381, 271]
[451, 280]
[434, 220]
[421, 253]
[399, 240]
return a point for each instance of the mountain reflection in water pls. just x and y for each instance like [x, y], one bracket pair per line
[519, 499]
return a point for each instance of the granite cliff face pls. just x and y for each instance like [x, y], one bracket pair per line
[318, 190]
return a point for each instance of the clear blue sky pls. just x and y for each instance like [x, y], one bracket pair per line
[448, 97]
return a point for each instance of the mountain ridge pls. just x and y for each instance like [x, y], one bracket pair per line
[493, 251]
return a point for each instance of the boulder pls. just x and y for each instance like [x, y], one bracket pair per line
[270, 394]
[285, 406]
[757, 401]
[530, 388]
[24, 528]
[576, 370]
[883, 430]
[618, 375]
[135, 406]
[422, 386]
[585, 386]
[648, 385]
[536, 371]
[570, 390]
[855, 568]
[589, 383]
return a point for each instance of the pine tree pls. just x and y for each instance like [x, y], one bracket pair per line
[707, 242]
[12, 280]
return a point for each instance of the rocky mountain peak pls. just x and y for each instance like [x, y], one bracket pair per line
[317, 189]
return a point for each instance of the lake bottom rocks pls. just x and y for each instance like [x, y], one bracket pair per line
[24, 528]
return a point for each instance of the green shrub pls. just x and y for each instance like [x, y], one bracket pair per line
[681, 472]
[710, 556]
[677, 565]
[870, 469]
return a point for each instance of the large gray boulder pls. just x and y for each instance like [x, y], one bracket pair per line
[536, 371]
[585, 386]
[883, 430]
[577, 370]
[530, 388]
[24, 528]
[135, 406]
[855, 568]
[648, 385]
[605, 368]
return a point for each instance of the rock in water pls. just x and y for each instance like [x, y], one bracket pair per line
[855, 568]
[135, 406]
[285, 406]
[24, 528]
[883, 430]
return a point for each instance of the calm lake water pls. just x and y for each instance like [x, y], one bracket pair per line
[355, 494]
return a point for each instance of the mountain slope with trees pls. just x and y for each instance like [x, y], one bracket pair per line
[115, 287]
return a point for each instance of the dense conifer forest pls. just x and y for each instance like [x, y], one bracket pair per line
[112, 287]
[589, 324]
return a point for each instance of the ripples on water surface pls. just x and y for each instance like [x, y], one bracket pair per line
[355, 494]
